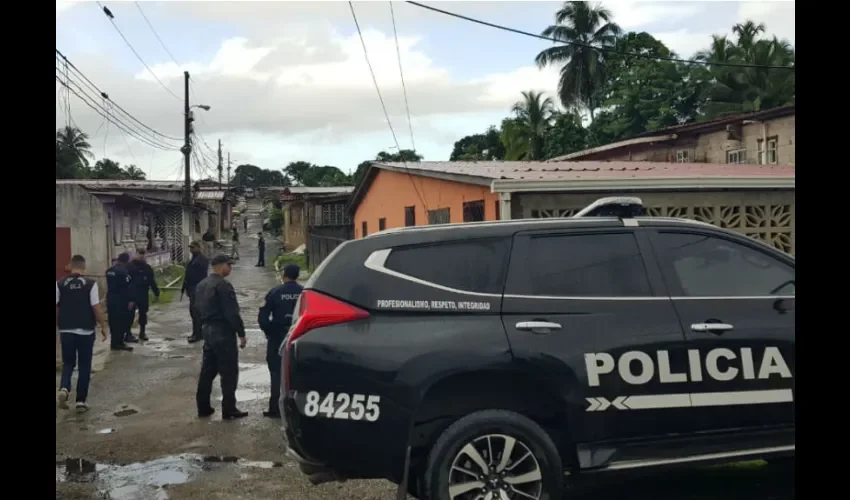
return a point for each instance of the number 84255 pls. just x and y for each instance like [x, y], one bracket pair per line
[342, 406]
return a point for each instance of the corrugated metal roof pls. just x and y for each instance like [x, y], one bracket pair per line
[318, 190]
[124, 184]
[210, 195]
[567, 170]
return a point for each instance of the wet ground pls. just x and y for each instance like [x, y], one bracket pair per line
[142, 439]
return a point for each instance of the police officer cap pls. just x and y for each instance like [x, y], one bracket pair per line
[124, 257]
[221, 259]
[291, 271]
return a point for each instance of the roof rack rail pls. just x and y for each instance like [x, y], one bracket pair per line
[623, 207]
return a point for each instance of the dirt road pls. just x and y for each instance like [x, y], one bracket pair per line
[142, 438]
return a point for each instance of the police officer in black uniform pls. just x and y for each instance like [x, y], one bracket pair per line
[275, 319]
[142, 281]
[261, 248]
[196, 270]
[119, 306]
[221, 324]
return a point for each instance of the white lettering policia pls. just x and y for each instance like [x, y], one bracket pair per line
[721, 364]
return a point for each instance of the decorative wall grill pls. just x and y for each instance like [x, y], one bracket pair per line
[770, 223]
[168, 225]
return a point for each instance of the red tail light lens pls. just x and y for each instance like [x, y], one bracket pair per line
[317, 310]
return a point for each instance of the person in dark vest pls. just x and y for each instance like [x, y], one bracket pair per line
[142, 282]
[196, 271]
[119, 306]
[261, 248]
[275, 318]
[221, 324]
[235, 252]
[77, 314]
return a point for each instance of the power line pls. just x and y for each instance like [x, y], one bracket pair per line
[108, 113]
[156, 34]
[103, 94]
[383, 106]
[601, 49]
[111, 20]
[101, 112]
[401, 72]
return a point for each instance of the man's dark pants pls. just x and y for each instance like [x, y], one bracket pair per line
[193, 313]
[221, 357]
[261, 261]
[143, 305]
[77, 350]
[273, 360]
[120, 320]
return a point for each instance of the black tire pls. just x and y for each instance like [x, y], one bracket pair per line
[435, 477]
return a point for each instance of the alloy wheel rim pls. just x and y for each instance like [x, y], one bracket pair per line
[495, 467]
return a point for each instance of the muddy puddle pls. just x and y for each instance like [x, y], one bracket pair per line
[254, 382]
[148, 480]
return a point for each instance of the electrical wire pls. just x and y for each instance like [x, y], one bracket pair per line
[106, 111]
[401, 72]
[95, 88]
[383, 105]
[137, 54]
[601, 49]
[80, 95]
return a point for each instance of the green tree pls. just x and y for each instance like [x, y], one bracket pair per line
[326, 176]
[479, 147]
[585, 28]
[296, 170]
[134, 173]
[534, 114]
[361, 171]
[404, 155]
[73, 152]
[735, 90]
[246, 175]
[513, 139]
[565, 136]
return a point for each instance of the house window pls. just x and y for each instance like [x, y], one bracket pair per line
[683, 156]
[409, 216]
[736, 156]
[439, 216]
[364, 231]
[473, 211]
[382, 223]
[772, 153]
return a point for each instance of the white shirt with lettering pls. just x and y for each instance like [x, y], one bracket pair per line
[94, 299]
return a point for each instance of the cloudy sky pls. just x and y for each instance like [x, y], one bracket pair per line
[288, 81]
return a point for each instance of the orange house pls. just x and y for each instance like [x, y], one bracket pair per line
[394, 195]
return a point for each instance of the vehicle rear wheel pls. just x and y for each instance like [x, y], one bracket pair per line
[493, 455]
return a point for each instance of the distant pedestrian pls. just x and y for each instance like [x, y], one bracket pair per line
[209, 241]
[77, 313]
[261, 248]
[119, 306]
[245, 222]
[142, 282]
[275, 318]
[235, 251]
[196, 271]
[222, 324]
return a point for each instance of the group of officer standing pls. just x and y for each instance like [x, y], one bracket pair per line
[213, 308]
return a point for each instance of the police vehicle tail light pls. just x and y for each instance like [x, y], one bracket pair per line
[317, 310]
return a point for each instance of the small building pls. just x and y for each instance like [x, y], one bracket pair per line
[731, 139]
[100, 219]
[329, 223]
[220, 204]
[756, 200]
[296, 204]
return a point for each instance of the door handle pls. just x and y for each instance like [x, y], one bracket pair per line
[716, 328]
[537, 326]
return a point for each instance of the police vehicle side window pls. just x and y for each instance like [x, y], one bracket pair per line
[472, 266]
[707, 266]
[584, 265]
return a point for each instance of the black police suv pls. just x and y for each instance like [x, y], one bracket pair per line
[487, 361]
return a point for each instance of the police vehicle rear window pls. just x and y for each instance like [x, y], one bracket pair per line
[472, 266]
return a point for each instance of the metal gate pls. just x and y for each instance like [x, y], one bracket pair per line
[168, 225]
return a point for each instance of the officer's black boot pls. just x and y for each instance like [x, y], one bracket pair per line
[142, 334]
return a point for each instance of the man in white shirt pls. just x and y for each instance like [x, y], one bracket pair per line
[77, 313]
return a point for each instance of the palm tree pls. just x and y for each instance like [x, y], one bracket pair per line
[534, 115]
[72, 144]
[583, 65]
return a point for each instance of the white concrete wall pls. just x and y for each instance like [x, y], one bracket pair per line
[86, 216]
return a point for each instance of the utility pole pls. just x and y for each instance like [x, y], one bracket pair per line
[187, 147]
[219, 163]
[228, 169]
